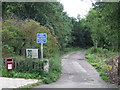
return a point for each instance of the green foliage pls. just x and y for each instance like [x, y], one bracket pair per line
[51, 77]
[103, 23]
[81, 34]
[100, 52]
[7, 51]
[55, 70]
[20, 71]
[69, 49]
[10, 36]
[18, 36]
[22, 36]
[26, 76]
[99, 28]
[29, 66]
[48, 14]
[97, 57]
[14, 74]
[105, 77]
[25, 69]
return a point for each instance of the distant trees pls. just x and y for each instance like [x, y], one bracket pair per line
[81, 34]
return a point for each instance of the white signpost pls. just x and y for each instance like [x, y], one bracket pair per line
[41, 38]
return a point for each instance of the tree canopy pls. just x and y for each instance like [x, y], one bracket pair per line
[103, 22]
[100, 28]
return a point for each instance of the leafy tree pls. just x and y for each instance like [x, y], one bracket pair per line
[49, 14]
[81, 33]
[103, 22]
[17, 37]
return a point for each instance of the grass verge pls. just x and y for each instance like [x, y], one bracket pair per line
[31, 85]
[97, 57]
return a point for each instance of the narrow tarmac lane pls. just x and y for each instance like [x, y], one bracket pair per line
[77, 73]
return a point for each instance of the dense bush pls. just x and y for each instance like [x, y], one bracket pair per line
[25, 69]
[14, 74]
[29, 66]
[48, 14]
[19, 35]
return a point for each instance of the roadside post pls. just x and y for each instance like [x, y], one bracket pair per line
[42, 38]
[46, 65]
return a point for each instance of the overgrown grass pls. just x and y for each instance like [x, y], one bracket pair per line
[14, 74]
[47, 77]
[54, 71]
[97, 57]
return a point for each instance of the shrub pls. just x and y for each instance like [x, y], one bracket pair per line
[19, 36]
[105, 76]
[54, 71]
[33, 68]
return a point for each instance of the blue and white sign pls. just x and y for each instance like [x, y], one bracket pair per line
[41, 38]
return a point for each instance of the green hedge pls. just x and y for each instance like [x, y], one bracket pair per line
[25, 69]
[29, 66]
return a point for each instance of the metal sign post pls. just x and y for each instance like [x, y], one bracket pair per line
[41, 38]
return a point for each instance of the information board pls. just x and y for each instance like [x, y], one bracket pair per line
[32, 53]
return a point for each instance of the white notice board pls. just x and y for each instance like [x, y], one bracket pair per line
[32, 53]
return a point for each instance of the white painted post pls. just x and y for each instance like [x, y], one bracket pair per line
[41, 50]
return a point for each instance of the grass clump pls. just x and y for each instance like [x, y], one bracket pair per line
[97, 57]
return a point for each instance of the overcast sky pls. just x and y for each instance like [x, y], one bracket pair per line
[75, 7]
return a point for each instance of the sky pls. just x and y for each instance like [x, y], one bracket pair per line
[75, 7]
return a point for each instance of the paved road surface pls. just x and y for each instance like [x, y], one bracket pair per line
[77, 73]
[15, 82]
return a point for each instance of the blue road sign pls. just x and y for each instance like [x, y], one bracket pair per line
[41, 38]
